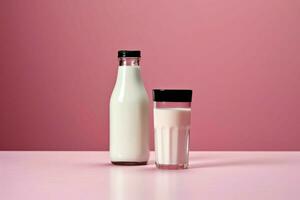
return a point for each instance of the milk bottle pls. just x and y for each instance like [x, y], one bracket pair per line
[129, 113]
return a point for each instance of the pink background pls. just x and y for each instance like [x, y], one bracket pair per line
[58, 66]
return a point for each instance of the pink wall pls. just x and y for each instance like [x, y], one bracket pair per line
[58, 66]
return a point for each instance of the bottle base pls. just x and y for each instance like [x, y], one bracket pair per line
[128, 163]
[171, 167]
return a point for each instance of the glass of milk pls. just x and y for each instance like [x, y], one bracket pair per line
[172, 119]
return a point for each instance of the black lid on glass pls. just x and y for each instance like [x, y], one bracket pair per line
[172, 95]
[131, 53]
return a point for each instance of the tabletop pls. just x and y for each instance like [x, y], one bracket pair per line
[89, 175]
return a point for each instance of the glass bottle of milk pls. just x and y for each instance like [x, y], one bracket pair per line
[129, 113]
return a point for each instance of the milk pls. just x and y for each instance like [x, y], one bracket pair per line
[129, 117]
[172, 127]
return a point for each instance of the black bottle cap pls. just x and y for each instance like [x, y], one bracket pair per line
[127, 53]
[160, 95]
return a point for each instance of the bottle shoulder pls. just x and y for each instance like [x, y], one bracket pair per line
[129, 86]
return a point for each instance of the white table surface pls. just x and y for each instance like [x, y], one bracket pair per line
[90, 176]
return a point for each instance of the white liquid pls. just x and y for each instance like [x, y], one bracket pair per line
[129, 128]
[172, 127]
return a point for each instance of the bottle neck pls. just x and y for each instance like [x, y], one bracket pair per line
[129, 61]
[128, 77]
